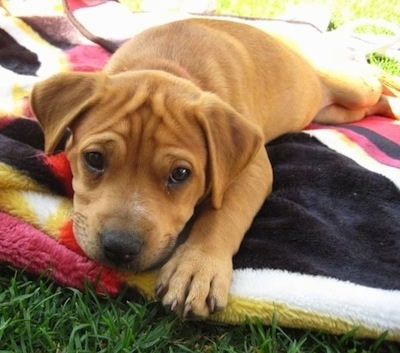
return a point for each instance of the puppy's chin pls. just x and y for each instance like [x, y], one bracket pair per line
[167, 250]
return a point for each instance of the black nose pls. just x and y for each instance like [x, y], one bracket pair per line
[120, 247]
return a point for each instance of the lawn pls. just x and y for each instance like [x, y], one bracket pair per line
[39, 316]
[36, 315]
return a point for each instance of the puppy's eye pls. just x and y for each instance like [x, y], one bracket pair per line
[179, 175]
[95, 161]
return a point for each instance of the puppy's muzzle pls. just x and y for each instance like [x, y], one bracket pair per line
[120, 247]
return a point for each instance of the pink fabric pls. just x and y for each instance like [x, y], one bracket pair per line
[78, 58]
[385, 131]
[77, 4]
[26, 247]
[380, 125]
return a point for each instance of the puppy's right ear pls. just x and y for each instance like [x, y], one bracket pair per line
[61, 99]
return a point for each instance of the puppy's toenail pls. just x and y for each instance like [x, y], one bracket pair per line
[212, 305]
[174, 305]
[188, 311]
[160, 291]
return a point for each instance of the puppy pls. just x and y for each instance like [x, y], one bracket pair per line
[167, 146]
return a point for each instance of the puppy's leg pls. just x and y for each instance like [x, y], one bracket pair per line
[196, 280]
[337, 114]
[354, 93]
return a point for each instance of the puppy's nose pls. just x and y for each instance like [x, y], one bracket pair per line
[120, 247]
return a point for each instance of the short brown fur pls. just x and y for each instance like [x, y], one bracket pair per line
[195, 99]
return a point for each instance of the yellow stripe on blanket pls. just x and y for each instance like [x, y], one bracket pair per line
[241, 309]
[21, 197]
[14, 202]
[13, 179]
[44, 211]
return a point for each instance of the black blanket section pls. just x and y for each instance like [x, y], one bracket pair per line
[325, 217]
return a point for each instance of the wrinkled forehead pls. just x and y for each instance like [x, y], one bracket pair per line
[152, 87]
[147, 94]
[156, 122]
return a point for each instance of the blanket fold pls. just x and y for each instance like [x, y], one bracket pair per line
[323, 252]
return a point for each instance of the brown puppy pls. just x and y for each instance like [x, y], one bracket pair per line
[169, 140]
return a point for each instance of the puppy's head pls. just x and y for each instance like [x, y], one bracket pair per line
[145, 149]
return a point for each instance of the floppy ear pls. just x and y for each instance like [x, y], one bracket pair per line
[232, 143]
[59, 100]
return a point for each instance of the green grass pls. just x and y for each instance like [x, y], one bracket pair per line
[36, 315]
[343, 11]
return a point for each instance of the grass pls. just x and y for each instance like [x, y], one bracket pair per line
[343, 11]
[37, 315]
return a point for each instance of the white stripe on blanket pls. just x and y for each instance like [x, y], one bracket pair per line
[317, 294]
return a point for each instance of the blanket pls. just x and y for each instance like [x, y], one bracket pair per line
[323, 252]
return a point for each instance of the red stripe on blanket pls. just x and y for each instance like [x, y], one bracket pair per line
[61, 168]
[5, 121]
[67, 238]
[378, 136]
[77, 4]
[87, 58]
[382, 126]
[26, 247]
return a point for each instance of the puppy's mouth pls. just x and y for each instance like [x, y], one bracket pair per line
[122, 250]
[127, 253]
[169, 250]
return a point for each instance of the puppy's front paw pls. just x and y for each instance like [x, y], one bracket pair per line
[194, 283]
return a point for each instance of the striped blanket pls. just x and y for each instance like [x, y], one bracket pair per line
[323, 252]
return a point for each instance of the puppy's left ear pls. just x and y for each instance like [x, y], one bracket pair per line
[232, 141]
[61, 99]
